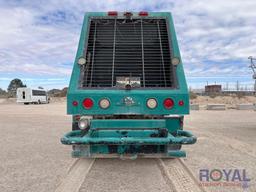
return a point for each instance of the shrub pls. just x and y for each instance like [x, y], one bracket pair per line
[192, 95]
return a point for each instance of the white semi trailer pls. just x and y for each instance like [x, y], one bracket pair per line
[34, 96]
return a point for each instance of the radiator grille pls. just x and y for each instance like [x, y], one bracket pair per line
[127, 48]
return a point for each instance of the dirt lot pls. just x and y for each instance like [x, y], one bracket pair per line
[229, 101]
[32, 158]
[226, 140]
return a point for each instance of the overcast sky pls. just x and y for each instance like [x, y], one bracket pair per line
[38, 39]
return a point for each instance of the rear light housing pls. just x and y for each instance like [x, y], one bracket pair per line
[87, 103]
[143, 13]
[151, 103]
[175, 61]
[181, 103]
[104, 103]
[81, 61]
[168, 103]
[112, 13]
[75, 103]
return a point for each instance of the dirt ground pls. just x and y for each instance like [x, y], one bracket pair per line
[32, 158]
[230, 101]
[226, 140]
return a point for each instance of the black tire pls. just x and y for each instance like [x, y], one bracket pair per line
[26, 103]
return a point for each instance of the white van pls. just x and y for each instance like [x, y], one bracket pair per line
[27, 95]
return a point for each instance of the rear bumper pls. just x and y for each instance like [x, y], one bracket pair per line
[77, 138]
[130, 137]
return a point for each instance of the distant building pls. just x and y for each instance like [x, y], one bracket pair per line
[212, 89]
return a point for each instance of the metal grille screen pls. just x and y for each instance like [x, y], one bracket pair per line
[133, 48]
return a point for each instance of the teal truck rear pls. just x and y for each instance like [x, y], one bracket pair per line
[128, 93]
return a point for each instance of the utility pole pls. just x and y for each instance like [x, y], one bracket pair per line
[227, 86]
[253, 67]
[237, 85]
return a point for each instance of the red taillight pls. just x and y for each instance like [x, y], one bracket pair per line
[168, 103]
[143, 13]
[181, 103]
[87, 103]
[112, 13]
[75, 103]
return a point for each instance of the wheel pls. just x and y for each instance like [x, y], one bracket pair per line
[26, 103]
[39, 102]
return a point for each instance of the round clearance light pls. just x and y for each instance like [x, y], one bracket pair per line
[83, 123]
[104, 103]
[151, 103]
[87, 103]
[81, 61]
[168, 103]
[175, 61]
[181, 103]
[75, 103]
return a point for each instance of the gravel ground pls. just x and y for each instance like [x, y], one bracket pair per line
[32, 158]
[141, 175]
[226, 140]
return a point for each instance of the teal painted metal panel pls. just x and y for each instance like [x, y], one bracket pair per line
[128, 123]
[118, 106]
[76, 94]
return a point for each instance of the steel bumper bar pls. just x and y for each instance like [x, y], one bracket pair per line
[77, 137]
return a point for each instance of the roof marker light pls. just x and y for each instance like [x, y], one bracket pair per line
[128, 14]
[112, 13]
[143, 13]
